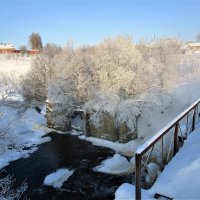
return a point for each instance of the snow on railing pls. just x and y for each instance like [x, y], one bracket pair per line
[173, 136]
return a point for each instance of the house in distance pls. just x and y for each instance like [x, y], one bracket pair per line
[10, 49]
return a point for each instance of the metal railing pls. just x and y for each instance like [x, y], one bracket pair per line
[164, 145]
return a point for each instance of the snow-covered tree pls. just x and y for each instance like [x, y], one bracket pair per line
[119, 65]
[163, 55]
[198, 37]
[33, 84]
[73, 73]
[167, 52]
[7, 87]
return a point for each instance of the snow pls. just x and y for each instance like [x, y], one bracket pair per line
[128, 111]
[180, 178]
[166, 128]
[15, 64]
[153, 119]
[13, 154]
[154, 171]
[127, 192]
[106, 101]
[78, 123]
[127, 149]
[116, 165]
[43, 111]
[27, 130]
[143, 147]
[157, 108]
[56, 179]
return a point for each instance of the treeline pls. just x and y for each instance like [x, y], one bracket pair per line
[116, 65]
[108, 81]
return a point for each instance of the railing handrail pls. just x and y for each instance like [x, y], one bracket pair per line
[159, 136]
[149, 143]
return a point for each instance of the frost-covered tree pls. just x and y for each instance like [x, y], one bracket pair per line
[115, 65]
[51, 49]
[198, 37]
[73, 73]
[116, 68]
[7, 122]
[164, 55]
[33, 84]
[7, 87]
[120, 66]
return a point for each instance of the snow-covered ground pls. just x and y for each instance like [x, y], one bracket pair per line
[57, 179]
[127, 149]
[154, 119]
[180, 178]
[15, 64]
[25, 132]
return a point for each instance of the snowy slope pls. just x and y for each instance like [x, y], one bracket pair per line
[180, 178]
[153, 120]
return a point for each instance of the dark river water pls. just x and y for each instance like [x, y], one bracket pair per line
[66, 151]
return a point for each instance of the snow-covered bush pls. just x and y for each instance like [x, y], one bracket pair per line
[7, 90]
[119, 65]
[60, 104]
[164, 56]
[189, 67]
[73, 70]
[114, 65]
[6, 190]
[6, 140]
[33, 84]
[7, 87]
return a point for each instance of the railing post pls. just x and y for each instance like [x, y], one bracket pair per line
[137, 177]
[176, 138]
[194, 120]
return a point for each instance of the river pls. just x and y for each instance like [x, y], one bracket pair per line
[66, 151]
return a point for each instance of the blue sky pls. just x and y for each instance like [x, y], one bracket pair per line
[90, 21]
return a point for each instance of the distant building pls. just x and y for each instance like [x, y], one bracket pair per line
[7, 48]
[192, 47]
[33, 51]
